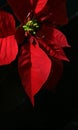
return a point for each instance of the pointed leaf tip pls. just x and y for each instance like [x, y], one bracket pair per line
[34, 68]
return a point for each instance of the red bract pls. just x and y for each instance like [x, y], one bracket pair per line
[41, 50]
[56, 9]
[8, 43]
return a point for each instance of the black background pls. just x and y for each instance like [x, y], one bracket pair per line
[55, 110]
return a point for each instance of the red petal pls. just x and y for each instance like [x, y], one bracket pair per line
[60, 13]
[53, 51]
[34, 68]
[20, 35]
[59, 38]
[53, 36]
[53, 41]
[40, 5]
[21, 8]
[55, 12]
[58, 53]
[8, 50]
[55, 75]
[7, 24]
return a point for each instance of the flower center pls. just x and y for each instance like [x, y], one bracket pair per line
[31, 26]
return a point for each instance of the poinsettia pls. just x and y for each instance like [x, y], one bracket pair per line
[37, 42]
